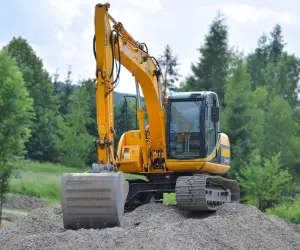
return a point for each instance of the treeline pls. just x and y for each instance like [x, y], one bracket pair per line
[44, 119]
[260, 111]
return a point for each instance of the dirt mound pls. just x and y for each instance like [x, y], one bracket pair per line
[16, 201]
[156, 226]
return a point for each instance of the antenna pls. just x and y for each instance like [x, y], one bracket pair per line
[55, 76]
[69, 80]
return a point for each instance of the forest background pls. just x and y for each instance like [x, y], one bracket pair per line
[48, 121]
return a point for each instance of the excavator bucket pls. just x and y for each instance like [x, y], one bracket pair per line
[93, 200]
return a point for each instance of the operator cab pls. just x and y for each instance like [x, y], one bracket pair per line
[193, 126]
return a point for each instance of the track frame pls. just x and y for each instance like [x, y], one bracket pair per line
[194, 192]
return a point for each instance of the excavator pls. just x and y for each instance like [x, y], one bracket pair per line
[182, 151]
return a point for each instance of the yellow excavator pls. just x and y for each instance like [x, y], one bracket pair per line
[182, 151]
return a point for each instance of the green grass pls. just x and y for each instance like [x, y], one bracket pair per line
[170, 199]
[135, 176]
[289, 211]
[48, 168]
[40, 179]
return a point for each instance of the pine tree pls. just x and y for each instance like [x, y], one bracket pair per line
[258, 61]
[210, 72]
[276, 45]
[267, 54]
[280, 133]
[169, 65]
[123, 123]
[270, 66]
[282, 78]
[256, 126]
[63, 90]
[90, 87]
[74, 143]
[237, 114]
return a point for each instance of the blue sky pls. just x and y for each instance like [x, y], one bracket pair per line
[61, 31]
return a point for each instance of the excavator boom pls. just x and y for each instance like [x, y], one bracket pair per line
[96, 199]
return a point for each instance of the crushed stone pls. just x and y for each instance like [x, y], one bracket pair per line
[157, 226]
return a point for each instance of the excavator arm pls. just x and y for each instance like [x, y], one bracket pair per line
[111, 44]
[96, 199]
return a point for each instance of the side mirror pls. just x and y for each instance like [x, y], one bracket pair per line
[215, 114]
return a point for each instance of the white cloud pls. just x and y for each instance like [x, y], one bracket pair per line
[66, 10]
[132, 20]
[92, 3]
[88, 33]
[152, 5]
[286, 17]
[245, 13]
[185, 67]
[66, 40]
[76, 45]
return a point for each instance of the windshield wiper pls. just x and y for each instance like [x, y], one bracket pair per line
[198, 103]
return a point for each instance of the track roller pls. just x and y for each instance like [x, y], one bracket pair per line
[205, 193]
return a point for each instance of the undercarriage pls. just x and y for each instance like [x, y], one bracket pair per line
[99, 199]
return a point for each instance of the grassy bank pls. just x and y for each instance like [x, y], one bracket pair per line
[40, 179]
[289, 211]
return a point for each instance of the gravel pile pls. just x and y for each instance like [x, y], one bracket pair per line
[156, 226]
[16, 201]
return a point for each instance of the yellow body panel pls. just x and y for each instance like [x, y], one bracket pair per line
[131, 158]
[197, 166]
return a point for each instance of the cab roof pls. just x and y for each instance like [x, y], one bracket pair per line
[188, 95]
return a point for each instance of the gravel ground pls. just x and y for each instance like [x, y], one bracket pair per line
[157, 226]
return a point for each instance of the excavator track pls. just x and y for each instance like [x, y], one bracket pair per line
[204, 192]
[93, 200]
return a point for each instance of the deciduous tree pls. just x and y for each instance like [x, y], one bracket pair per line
[38, 82]
[15, 115]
